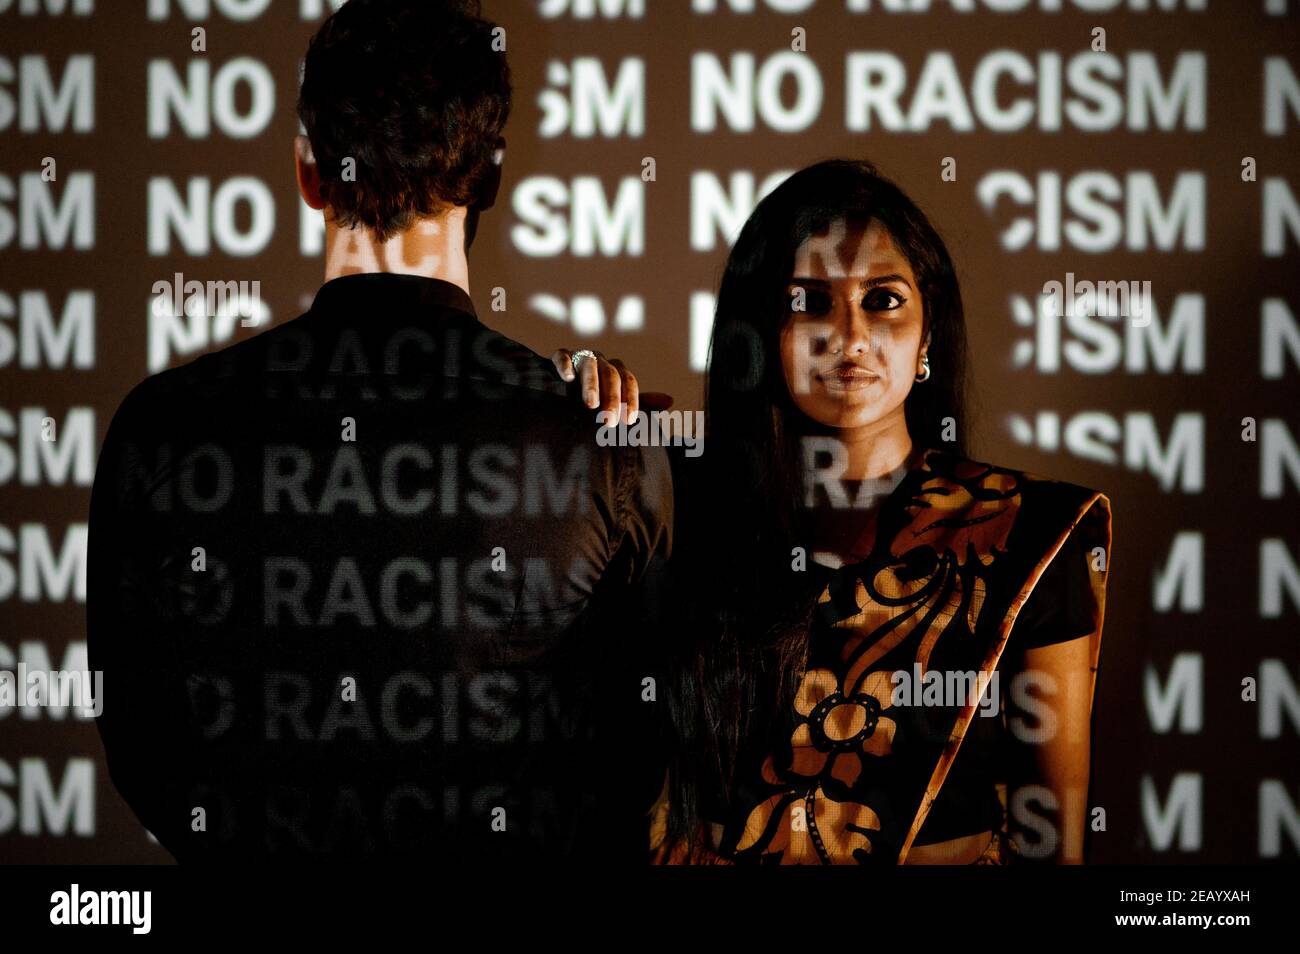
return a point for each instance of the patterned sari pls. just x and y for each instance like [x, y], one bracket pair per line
[937, 580]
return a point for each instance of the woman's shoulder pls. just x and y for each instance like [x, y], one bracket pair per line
[989, 475]
[1057, 508]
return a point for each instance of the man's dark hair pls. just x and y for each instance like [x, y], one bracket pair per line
[416, 94]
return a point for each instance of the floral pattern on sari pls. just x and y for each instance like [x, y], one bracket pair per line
[933, 548]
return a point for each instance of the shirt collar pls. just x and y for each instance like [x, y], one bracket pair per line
[392, 291]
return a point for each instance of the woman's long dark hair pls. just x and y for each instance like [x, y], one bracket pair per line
[745, 634]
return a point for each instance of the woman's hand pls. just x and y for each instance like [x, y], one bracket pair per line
[609, 383]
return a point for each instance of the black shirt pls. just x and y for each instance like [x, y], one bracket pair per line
[366, 583]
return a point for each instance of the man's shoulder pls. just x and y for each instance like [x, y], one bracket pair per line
[499, 402]
[460, 358]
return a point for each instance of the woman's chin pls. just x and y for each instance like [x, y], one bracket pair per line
[850, 420]
[852, 414]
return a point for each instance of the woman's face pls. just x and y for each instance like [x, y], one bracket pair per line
[852, 344]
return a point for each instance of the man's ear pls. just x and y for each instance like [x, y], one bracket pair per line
[304, 164]
[487, 193]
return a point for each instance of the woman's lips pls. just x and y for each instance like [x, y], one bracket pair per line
[847, 378]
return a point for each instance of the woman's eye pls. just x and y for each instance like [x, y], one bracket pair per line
[879, 299]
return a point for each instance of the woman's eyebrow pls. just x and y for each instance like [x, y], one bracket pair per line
[884, 280]
[864, 284]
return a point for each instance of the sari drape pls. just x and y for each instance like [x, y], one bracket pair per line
[943, 569]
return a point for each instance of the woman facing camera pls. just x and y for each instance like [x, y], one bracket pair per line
[888, 650]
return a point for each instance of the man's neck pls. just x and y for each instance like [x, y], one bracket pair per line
[433, 247]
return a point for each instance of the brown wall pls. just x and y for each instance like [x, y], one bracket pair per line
[1229, 260]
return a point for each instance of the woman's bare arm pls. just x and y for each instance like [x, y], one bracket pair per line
[1049, 713]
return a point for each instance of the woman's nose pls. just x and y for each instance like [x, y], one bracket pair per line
[850, 332]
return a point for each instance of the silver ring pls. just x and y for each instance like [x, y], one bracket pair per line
[576, 357]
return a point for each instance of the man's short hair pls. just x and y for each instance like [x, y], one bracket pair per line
[415, 92]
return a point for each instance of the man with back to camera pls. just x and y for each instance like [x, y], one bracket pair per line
[365, 583]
